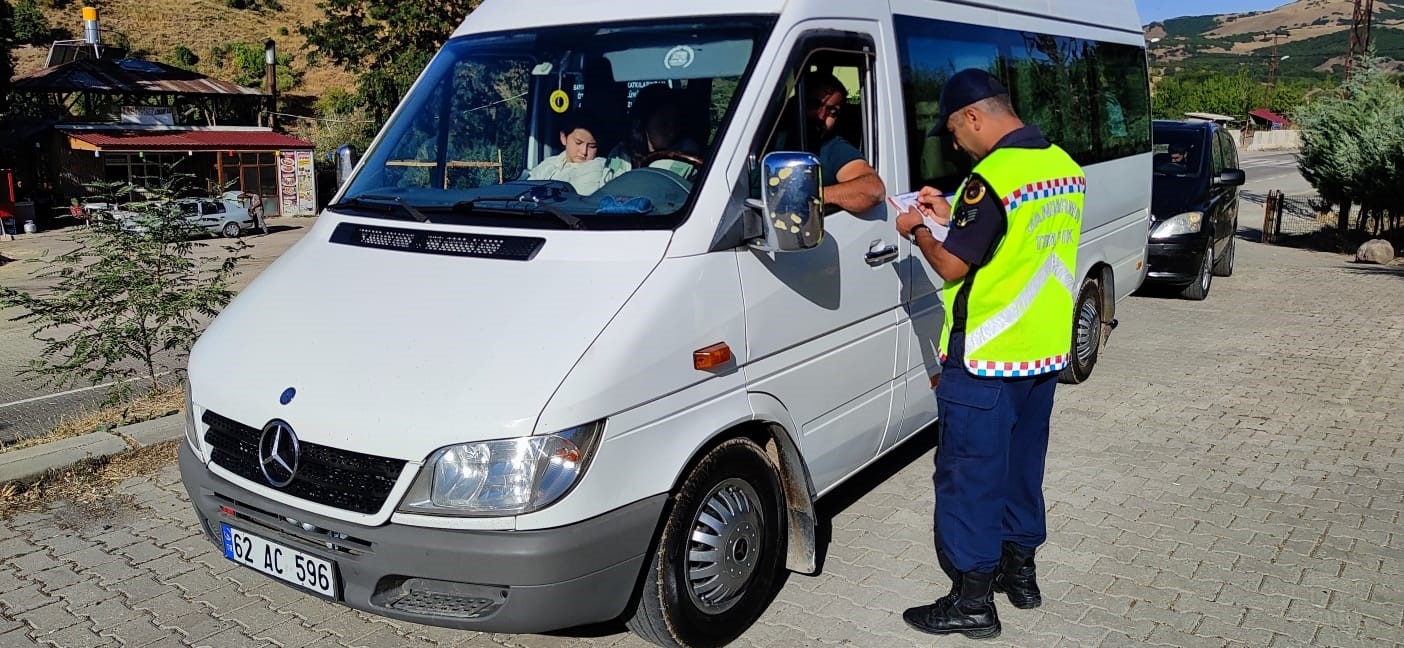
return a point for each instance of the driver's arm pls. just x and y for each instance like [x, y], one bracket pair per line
[859, 187]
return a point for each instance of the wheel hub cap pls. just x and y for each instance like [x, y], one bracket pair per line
[724, 547]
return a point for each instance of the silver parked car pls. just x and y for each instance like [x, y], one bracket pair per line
[224, 216]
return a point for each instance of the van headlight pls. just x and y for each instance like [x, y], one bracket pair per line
[1186, 223]
[506, 477]
[192, 431]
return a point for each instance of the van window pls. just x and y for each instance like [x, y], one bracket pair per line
[1089, 97]
[827, 57]
[478, 139]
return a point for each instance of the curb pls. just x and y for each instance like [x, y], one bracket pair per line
[29, 463]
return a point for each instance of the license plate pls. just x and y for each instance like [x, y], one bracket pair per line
[300, 569]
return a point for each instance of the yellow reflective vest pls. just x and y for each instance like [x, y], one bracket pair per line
[1019, 311]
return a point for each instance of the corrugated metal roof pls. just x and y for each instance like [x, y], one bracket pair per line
[1268, 115]
[190, 140]
[125, 76]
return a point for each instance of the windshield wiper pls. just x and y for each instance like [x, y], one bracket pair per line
[560, 214]
[380, 203]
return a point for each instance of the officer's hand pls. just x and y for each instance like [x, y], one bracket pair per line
[934, 205]
[906, 221]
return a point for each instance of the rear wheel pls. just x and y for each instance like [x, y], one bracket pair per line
[1086, 335]
[719, 552]
[1198, 290]
[230, 229]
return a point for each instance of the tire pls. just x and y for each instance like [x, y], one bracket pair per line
[1224, 266]
[679, 604]
[1086, 334]
[230, 230]
[1198, 290]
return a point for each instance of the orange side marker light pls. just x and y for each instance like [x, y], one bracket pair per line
[711, 357]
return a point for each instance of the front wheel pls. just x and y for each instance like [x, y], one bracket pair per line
[1224, 266]
[718, 554]
[1198, 290]
[1086, 335]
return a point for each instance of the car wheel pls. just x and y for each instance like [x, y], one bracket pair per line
[230, 230]
[718, 554]
[1224, 267]
[1086, 334]
[1198, 290]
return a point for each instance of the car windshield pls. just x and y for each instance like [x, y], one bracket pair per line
[595, 127]
[1178, 152]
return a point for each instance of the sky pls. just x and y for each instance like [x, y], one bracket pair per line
[1153, 10]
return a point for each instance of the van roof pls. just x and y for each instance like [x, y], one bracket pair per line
[499, 15]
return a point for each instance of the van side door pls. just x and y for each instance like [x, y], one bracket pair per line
[821, 324]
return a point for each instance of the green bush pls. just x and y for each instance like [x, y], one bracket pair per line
[184, 57]
[30, 25]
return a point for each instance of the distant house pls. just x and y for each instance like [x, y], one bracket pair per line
[94, 116]
[1264, 119]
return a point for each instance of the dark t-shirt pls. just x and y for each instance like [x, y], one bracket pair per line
[834, 154]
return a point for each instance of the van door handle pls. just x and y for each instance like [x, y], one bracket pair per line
[880, 253]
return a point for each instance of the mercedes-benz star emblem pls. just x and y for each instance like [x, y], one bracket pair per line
[278, 453]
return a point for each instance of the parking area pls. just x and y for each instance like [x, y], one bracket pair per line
[1232, 475]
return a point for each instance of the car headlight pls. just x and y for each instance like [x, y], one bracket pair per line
[192, 431]
[1186, 223]
[506, 477]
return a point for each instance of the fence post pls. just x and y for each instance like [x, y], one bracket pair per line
[1266, 235]
[1277, 215]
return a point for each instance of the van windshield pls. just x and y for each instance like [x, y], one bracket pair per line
[593, 127]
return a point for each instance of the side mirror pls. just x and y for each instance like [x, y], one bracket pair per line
[1231, 178]
[792, 209]
[346, 159]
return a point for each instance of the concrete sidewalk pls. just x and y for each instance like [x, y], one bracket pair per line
[30, 463]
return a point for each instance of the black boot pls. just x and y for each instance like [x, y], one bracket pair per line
[951, 573]
[1015, 576]
[970, 612]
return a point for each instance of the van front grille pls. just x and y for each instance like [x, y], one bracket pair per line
[330, 476]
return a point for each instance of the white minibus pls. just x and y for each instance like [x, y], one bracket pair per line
[486, 397]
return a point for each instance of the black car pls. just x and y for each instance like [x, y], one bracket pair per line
[1194, 205]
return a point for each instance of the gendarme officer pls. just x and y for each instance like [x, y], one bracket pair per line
[1008, 253]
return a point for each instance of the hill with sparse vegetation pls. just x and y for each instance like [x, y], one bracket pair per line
[1313, 34]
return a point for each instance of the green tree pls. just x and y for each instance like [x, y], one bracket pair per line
[132, 296]
[1353, 144]
[30, 25]
[387, 41]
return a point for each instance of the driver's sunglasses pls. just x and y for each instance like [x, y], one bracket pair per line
[827, 109]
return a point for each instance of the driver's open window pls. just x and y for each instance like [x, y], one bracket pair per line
[797, 110]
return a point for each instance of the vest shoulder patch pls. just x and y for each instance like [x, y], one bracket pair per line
[975, 196]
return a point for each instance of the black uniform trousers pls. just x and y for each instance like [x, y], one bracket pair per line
[993, 439]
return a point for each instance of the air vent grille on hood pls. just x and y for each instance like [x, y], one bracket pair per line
[513, 248]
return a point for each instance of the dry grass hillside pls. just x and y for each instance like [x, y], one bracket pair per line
[1315, 33]
[156, 27]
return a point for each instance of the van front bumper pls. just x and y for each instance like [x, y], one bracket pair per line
[489, 581]
[1176, 263]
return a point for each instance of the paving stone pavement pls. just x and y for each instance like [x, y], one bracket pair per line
[1232, 475]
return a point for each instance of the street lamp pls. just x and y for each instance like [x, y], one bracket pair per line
[270, 61]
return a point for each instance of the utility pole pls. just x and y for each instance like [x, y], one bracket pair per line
[1272, 67]
[1359, 32]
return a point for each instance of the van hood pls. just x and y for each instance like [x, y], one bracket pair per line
[397, 353]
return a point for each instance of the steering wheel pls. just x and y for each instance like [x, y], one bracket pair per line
[673, 155]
